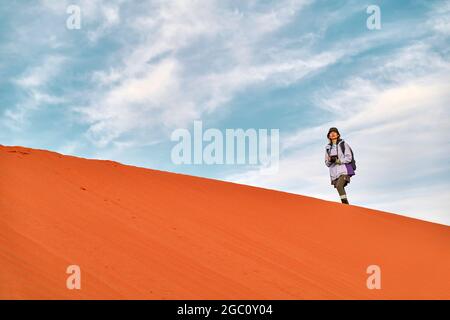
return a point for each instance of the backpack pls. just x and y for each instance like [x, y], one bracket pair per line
[353, 162]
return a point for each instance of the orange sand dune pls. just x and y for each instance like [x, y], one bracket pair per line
[146, 234]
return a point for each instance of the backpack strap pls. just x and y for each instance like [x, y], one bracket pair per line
[342, 145]
[353, 162]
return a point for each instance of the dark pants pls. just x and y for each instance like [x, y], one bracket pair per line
[340, 184]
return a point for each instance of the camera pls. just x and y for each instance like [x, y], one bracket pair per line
[333, 159]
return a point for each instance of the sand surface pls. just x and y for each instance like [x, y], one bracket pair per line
[144, 234]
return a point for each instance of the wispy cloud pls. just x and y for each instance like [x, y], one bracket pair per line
[440, 17]
[33, 86]
[148, 93]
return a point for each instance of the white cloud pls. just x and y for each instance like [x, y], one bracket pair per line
[33, 84]
[98, 17]
[129, 106]
[39, 75]
[132, 97]
[440, 17]
[109, 17]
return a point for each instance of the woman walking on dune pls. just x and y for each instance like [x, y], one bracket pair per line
[339, 158]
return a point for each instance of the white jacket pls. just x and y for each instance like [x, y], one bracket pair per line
[336, 170]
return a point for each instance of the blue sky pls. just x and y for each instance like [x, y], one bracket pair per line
[137, 70]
